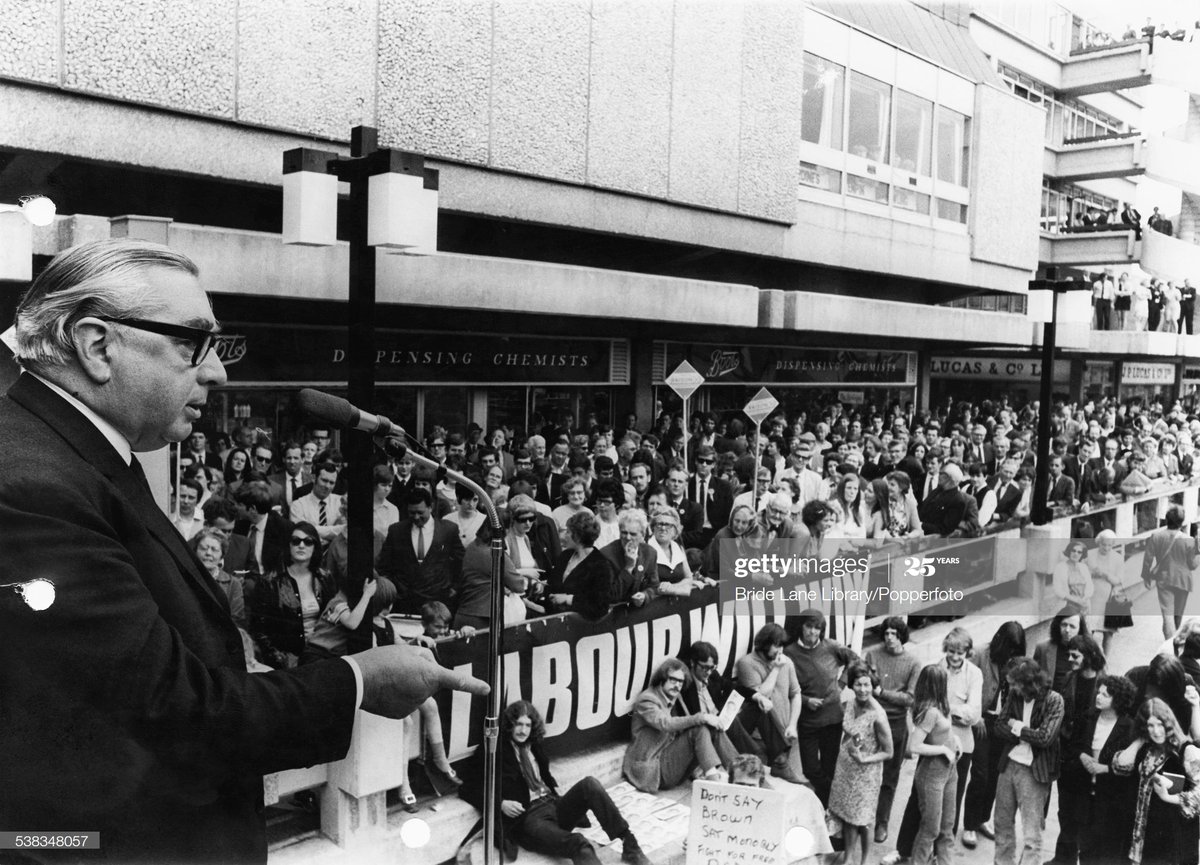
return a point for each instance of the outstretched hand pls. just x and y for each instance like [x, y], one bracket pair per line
[397, 679]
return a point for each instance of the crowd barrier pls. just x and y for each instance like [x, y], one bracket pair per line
[584, 675]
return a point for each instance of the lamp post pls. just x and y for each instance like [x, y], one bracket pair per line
[1043, 306]
[393, 203]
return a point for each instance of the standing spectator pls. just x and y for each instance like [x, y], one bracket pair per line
[1170, 556]
[1171, 309]
[1156, 306]
[320, 507]
[767, 679]
[1007, 643]
[633, 560]
[288, 601]
[1027, 733]
[897, 670]
[896, 515]
[1051, 654]
[1107, 565]
[949, 512]
[1103, 811]
[1122, 302]
[188, 522]
[1072, 580]
[1164, 833]
[937, 751]
[1139, 315]
[866, 745]
[1087, 663]
[422, 556]
[468, 518]
[818, 662]
[1187, 306]
[1104, 290]
[210, 545]
[582, 580]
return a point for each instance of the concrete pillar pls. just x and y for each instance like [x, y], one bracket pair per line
[641, 373]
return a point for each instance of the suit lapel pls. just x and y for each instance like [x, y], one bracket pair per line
[87, 441]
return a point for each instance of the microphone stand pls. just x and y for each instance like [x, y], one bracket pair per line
[396, 447]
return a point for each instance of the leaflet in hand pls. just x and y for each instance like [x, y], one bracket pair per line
[733, 705]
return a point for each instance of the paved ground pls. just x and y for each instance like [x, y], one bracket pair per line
[1130, 648]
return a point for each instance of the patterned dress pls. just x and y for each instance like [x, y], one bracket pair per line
[855, 790]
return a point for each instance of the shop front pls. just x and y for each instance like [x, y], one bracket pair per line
[975, 378]
[801, 378]
[1147, 382]
[422, 378]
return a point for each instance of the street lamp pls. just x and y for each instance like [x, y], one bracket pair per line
[1044, 306]
[393, 203]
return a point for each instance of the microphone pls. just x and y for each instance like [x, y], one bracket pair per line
[339, 412]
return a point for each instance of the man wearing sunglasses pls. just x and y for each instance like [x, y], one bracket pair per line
[127, 706]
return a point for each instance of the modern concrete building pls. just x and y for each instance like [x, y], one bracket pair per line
[832, 199]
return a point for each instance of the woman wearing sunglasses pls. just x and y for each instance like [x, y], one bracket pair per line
[288, 601]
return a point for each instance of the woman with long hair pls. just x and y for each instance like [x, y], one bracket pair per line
[1072, 579]
[1165, 827]
[1007, 643]
[1051, 654]
[237, 466]
[934, 782]
[847, 504]
[897, 516]
[874, 502]
[288, 601]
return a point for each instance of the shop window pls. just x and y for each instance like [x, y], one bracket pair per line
[862, 187]
[820, 177]
[914, 134]
[506, 407]
[399, 404]
[870, 109]
[821, 102]
[447, 407]
[953, 147]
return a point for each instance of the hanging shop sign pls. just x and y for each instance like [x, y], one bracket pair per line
[256, 354]
[790, 365]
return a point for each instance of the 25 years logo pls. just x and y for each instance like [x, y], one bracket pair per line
[919, 566]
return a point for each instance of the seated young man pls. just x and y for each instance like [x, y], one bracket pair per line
[531, 811]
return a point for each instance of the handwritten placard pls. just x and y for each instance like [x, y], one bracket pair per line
[732, 825]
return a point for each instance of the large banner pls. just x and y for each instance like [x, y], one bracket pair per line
[584, 676]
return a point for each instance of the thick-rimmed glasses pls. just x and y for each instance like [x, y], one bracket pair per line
[201, 340]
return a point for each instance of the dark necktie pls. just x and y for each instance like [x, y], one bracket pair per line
[252, 537]
[322, 516]
[295, 488]
[420, 544]
[138, 471]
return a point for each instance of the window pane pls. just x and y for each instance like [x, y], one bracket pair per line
[951, 210]
[820, 177]
[870, 107]
[862, 187]
[952, 147]
[914, 133]
[821, 102]
[907, 199]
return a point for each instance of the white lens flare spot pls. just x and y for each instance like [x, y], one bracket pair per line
[414, 832]
[38, 594]
[38, 209]
[799, 842]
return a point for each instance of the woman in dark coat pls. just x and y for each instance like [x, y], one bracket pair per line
[288, 601]
[1099, 801]
[582, 579]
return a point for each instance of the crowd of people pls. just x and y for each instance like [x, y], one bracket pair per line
[597, 518]
[1152, 304]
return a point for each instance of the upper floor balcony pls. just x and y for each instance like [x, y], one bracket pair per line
[1109, 245]
[1127, 65]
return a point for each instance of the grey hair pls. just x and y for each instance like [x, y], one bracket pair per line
[102, 279]
[634, 515]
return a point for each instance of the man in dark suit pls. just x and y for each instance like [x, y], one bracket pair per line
[294, 477]
[422, 556]
[713, 494]
[127, 706]
[1107, 460]
[266, 532]
[691, 517]
[549, 488]
[1008, 494]
[260, 465]
[1062, 488]
[220, 514]
[949, 512]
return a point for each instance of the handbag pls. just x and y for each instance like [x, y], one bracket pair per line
[1118, 612]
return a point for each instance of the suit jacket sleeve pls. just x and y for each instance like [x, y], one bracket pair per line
[134, 656]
